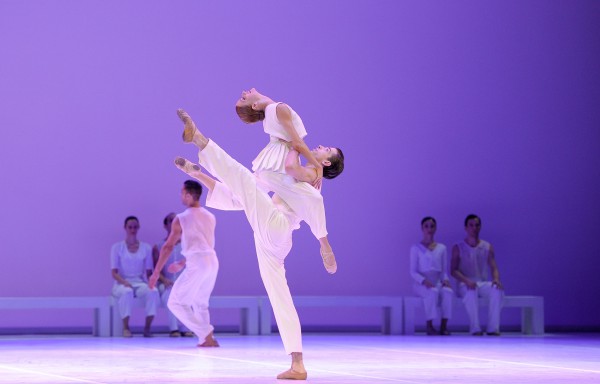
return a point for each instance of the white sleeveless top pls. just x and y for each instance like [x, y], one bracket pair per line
[198, 232]
[272, 157]
[474, 260]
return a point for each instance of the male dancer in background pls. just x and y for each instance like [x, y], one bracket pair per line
[195, 227]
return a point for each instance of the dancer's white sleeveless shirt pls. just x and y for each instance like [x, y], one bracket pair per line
[272, 157]
[474, 260]
[198, 233]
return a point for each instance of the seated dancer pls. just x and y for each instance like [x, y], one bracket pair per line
[272, 221]
[274, 167]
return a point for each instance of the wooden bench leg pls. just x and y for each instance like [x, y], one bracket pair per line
[386, 321]
[102, 321]
[252, 319]
[265, 316]
[538, 318]
[391, 323]
[409, 317]
[396, 319]
[526, 317]
[532, 319]
[249, 318]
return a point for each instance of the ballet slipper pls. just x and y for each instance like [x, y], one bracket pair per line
[187, 334]
[187, 166]
[209, 341]
[174, 334]
[189, 128]
[290, 374]
[127, 333]
[432, 331]
[329, 261]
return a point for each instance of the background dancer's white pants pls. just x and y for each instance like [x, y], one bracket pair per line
[191, 292]
[304, 199]
[495, 297]
[433, 297]
[272, 234]
[124, 296]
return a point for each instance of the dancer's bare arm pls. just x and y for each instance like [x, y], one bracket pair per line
[165, 251]
[285, 118]
[297, 170]
[494, 268]
[115, 274]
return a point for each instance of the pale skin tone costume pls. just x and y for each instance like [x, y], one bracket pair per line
[471, 260]
[428, 269]
[272, 221]
[195, 228]
[131, 263]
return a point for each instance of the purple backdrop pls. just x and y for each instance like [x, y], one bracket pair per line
[441, 108]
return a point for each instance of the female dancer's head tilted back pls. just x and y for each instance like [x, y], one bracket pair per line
[250, 107]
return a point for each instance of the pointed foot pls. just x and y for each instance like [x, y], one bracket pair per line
[189, 128]
[329, 261]
[187, 166]
[209, 341]
[290, 374]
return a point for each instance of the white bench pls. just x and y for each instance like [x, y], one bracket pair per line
[532, 312]
[248, 305]
[391, 309]
[100, 305]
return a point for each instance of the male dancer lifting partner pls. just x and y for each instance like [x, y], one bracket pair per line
[195, 227]
[272, 221]
[276, 170]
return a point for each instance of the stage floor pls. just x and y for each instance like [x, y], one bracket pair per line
[329, 358]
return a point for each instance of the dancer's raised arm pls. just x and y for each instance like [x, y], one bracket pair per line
[294, 168]
[284, 116]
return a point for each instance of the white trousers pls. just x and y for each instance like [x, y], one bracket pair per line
[272, 234]
[495, 297]
[435, 297]
[174, 324]
[125, 295]
[190, 294]
[303, 198]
